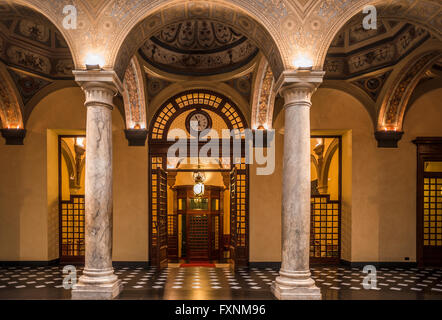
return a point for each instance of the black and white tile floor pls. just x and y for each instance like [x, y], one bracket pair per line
[223, 283]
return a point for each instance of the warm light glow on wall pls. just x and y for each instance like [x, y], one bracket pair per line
[94, 59]
[13, 126]
[390, 129]
[303, 61]
[138, 126]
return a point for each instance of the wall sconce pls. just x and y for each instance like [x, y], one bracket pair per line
[94, 61]
[136, 136]
[302, 62]
[13, 136]
[388, 137]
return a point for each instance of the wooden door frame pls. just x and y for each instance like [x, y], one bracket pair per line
[338, 260]
[73, 260]
[428, 149]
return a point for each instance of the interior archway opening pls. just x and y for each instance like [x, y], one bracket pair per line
[198, 189]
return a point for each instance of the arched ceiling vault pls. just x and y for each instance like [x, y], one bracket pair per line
[34, 58]
[394, 102]
[328, 17]
[382, 67]
[11, 106]
[257, 33]
[281, 29]
[296, 26]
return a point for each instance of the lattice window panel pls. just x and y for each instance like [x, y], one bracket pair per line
[241, 203]
[192, 99]
[162, 210]
[233, 116]
[156, 162]
[72, 227]
[433, 212]
[161, 121]
[172, 224]
[198, 98]
[324, 235]
[216, 232]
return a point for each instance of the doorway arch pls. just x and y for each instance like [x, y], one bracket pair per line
[173, 114]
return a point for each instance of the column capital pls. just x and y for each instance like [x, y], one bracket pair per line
[100, 86]
[298, 86]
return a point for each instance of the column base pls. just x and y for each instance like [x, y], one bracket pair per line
[295, 285]
[97, 285]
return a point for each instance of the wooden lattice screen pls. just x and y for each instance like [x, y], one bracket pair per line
[432, 211]
[72, 229]
[325, 229]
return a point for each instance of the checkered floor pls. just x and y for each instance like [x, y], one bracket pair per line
[223, 283]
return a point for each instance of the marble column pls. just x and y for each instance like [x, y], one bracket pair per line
[294, 280]
[98, 280]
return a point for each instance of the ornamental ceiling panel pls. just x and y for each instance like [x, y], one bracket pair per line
[356, 51]
[30, 42]
[198, 47]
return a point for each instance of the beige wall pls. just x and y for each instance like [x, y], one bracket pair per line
[265, 208]
[29, 188]
[131, 227]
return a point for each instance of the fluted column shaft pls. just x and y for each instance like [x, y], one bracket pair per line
[295, 280]
[98, 280]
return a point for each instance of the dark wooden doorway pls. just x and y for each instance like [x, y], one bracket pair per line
[198, 236]
[429, 201]
[159, 219]
[205, 102]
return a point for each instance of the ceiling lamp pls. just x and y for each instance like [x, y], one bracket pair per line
[199, 178]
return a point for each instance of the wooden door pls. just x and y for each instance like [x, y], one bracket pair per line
[198, 236]
[429, 202]
[161, 220]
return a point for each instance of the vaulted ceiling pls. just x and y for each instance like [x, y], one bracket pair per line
[198, 47]
[33, 55]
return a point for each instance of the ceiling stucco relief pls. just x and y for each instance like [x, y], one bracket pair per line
[395, 101]
[27, 85]
[363, 53]
[263, 97]
[198, 47]
[10, 106]
[270, 15]
[134, 98]
[372, 85]
[331, 15]
[32, 43]
[296, 26]
[243, 85]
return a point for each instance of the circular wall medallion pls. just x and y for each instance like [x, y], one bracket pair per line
[198, 121]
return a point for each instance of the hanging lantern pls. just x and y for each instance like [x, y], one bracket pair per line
[198, 188]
